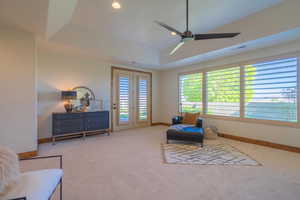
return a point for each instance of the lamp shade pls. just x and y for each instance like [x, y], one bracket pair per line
[68, 95]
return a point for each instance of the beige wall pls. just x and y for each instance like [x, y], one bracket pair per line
[276, 134]
[18, 124]
[59, 71]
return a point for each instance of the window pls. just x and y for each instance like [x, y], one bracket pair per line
[190, 92]
[223, 92]
[270, 90]
[262, 91]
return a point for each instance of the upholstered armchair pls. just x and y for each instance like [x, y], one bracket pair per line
[37, 185]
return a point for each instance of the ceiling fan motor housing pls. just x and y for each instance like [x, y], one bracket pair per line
[187, 36]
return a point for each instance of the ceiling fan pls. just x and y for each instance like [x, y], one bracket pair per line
[188, 35]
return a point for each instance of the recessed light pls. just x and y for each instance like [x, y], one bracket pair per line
[116, 5]
[173, 33]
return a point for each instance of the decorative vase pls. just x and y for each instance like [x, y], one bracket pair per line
[68, 107]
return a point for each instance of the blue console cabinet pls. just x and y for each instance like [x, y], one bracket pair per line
[65, 124]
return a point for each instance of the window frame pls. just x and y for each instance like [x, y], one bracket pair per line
[242, 118]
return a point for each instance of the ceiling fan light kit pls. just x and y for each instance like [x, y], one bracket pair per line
[116, 5]
[188, 35]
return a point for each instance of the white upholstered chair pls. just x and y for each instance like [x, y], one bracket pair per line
[37, 185]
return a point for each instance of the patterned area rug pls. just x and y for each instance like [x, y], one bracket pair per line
[220, 154]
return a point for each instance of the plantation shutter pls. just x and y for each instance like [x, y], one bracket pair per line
[143, 99]
[271, 90]
[223, 92]
[124, 85]
[190, 92]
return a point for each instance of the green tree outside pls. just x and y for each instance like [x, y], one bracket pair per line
[191, 92]
[250, 72]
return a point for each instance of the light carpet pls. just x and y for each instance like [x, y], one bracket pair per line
[217, 154]
[128, 166]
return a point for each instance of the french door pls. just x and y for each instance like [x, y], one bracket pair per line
[131, 99]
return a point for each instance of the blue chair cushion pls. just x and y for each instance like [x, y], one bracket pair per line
[182, 128]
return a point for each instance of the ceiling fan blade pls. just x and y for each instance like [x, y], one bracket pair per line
[177, 47]
[214, 36]
[168, 27]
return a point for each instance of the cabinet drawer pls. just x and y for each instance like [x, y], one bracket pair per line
[96, 124]
[97, 114]
[97, 121]
[65, 116]
[68, 126]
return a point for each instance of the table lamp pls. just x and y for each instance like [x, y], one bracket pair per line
[67, 96]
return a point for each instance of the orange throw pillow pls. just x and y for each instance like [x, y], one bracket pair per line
[190, 118]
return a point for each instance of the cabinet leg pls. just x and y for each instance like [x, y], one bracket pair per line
[53, 140]
[84, 135]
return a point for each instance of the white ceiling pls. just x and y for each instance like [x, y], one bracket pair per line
[129, 34]
[264, 42]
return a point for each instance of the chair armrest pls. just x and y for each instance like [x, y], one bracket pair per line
[46, 157]
[199, 123]
[177, 120]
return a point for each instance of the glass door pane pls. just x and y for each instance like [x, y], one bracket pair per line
[124, 104]
[143, 99]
